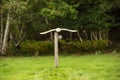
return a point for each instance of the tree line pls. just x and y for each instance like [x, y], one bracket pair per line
[24, 19]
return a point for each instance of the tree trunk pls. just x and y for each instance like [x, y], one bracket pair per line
[21, 36]
[1, 34]
[91, 36]
[100, 36]
[70, 36]
[17, 38]
[80, 38]
[51, 34]
[5, 39]
[94, 36]
[86, 36]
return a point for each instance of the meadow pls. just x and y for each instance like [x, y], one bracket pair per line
[82, 67]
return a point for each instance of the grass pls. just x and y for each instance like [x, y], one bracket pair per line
[86, 67]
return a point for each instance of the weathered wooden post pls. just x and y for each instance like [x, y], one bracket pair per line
[56, 48]
[56, 31]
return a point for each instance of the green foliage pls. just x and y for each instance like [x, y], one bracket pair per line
[47, 47]
[83, 15]
[77, 46]
[15, 6]
[42, 47]
[58, 9]
[94, 16]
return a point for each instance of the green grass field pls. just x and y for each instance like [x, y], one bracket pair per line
[85, 67]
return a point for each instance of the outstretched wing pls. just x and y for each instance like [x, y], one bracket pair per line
[68, 30]
[48, 31]
[58, 30]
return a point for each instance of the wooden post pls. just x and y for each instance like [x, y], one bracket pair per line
[56, 48]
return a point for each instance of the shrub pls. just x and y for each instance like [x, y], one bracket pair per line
[40, 47]
[77, 46]
[47, 47]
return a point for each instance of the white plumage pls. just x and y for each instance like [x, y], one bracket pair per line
[58, 30]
